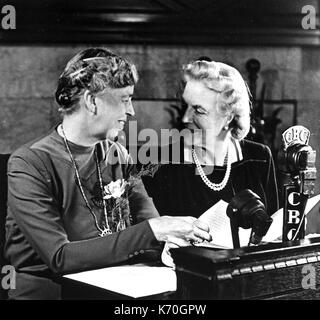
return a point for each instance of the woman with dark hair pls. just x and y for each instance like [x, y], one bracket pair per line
[216, 162]
[73, 203]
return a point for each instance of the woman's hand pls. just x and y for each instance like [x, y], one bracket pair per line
[166, 256]
[181, 231]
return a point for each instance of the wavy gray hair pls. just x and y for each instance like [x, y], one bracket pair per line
[92, 69]
[233, 92]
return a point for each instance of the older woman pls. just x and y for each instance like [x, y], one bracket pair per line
[216, 162]
[73, 204]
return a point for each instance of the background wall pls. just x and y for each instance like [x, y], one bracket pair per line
[28, 76]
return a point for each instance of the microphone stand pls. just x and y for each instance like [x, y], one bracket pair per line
[296, 194]
[297, 162]
[235, 233]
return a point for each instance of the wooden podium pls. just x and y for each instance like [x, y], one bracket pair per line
[289, 270]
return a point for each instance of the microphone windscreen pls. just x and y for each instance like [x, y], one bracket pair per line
[248, 211]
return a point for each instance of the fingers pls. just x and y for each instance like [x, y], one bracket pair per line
[201, 225]
[189, 219]
[177, 242]
[201, 231]
[192, 230]
[201, 235]
[180, 230]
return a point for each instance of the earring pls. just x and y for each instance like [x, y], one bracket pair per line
[226, 128]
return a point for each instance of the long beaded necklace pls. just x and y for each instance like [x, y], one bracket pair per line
[211, 185]
[106, 229]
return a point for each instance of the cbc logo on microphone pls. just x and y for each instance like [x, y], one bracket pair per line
[295, 135]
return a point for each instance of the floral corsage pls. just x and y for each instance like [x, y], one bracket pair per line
[114, 189]
[115, 195]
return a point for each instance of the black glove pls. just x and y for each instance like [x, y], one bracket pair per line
[248, 211]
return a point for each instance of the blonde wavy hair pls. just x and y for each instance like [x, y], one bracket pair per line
[233, 92]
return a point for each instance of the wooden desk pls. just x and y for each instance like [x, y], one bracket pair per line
[270, 271]
[138, 281]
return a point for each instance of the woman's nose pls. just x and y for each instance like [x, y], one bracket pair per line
[130, 109]
[188, 115]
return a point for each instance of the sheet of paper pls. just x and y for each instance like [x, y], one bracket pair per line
[275, 231]
[220, 230]
[219, 223]
[131, 280]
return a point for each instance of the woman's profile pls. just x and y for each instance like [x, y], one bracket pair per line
[216, 161]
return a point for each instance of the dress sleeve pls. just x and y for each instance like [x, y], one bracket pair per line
[36, 212]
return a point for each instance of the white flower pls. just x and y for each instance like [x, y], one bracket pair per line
[114, 189]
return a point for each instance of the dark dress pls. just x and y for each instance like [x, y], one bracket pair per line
[49, 229]
[176, 189]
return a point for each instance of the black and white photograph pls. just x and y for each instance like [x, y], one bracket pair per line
[160, 154]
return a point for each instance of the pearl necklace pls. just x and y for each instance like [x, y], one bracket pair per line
[211, 185]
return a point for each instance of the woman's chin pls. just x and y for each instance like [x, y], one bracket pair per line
[113, 134]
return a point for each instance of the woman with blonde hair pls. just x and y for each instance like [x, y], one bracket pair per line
[216, 162]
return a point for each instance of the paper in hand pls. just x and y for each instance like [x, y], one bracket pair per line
[219, 223]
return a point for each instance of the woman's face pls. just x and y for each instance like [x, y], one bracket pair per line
[113, 108]
[202, 112]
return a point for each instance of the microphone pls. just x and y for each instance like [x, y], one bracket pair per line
[246, 210]
[297, 175]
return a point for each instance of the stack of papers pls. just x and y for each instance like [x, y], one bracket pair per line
[135, 281]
